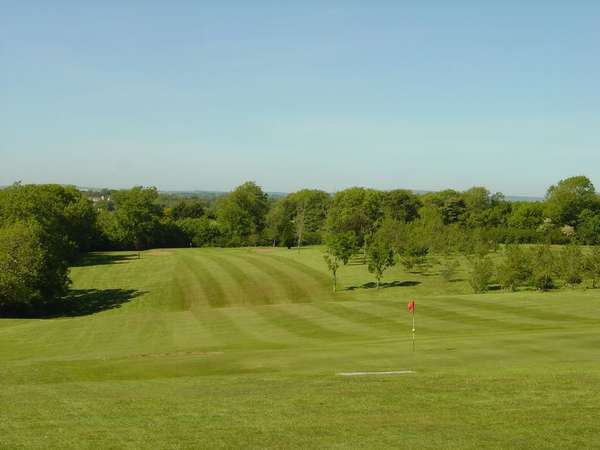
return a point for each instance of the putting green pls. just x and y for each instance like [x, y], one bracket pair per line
[221, 348]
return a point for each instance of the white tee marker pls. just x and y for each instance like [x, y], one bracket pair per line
[391, 372]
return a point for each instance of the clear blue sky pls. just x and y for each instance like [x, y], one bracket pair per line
[205, 95]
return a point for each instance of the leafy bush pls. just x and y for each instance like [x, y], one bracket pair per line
[544, 268]
[414, 255]
[591, 265]
[449, 268]
[571, 265]
[516, 269]
[482, 272]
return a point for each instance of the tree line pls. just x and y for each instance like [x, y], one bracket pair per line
[247, 216]
[540, 267]
[43, 228]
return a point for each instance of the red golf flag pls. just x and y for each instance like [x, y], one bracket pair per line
[411, 306]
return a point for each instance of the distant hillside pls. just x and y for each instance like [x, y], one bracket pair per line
[212, 194]
[512, 198]
[215, 194]
[523, 198]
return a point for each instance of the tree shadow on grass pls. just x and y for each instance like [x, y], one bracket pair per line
[77, 302]
[100, 259]
[384, 285]
[83, 302]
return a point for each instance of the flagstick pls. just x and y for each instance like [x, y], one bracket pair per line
[413, 329]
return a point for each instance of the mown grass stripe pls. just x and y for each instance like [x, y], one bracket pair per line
[318, 276]
[296, 271]
[292, 289]
[384, 324]
[267, 330]
[521, 311]
[189, 285]
[185, 285]
[297, 324]
[252, 292]
[427, 309]
[209, 285]
[156, 333]
[359, 316]
[190, 332]
[228, 332]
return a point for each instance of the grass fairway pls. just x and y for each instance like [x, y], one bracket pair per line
[213, 348]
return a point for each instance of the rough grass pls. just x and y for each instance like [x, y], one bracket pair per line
[213, 348]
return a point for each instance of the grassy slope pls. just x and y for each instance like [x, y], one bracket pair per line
[220, 348]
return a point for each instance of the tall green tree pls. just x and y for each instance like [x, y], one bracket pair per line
[429, 231]
[200, 232]
[45, 228]
[526, 215]
[67, 219]
[484, 210]
[137, 215]
[300, 224]
[414, 256]
[339, 248]
[310, 207]
[357, 210]
[188, 209]
[380, 256]
[568, 198]
[401, 205]
[588, 227]
[477, 199]
[449, 203]
[31, 280]
[279, 227]
[298, 218]
[242, 214]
